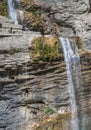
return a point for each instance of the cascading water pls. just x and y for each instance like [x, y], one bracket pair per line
[20, 13]
[15, 11]
[72, 61]
[12, 11]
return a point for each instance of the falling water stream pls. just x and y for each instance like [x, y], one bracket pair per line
[15, 11]
[12, 11]
[72, 61]
[71, 57]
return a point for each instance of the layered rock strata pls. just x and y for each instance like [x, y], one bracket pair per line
[26, 88]
[65, 17]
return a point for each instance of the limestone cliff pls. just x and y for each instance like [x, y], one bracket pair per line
[34, 95]
[60, 17]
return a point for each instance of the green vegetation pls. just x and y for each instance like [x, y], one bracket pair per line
[45, 49]
[78, 42]
[37, 12]
[35, 20]
[49, 110]
[3, 8]
[53, 122]
[33, 15]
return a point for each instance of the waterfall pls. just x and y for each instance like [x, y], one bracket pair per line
[72, 61]
[12, 11]
[15, 11]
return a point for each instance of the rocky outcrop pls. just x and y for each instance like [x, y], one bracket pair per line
[28, 88]
[45, 48]
[85, 89]
[66, 17]
[31, 91]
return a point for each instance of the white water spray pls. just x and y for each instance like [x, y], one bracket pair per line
[12, 11]
[72, 61]
[15, 11]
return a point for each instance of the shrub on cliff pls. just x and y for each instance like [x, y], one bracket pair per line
[45, 49]
[3, 8]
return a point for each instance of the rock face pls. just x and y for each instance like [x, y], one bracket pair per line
[45, 48]
[14, 73]
[28, 88]
[61, 17]
[85, 90]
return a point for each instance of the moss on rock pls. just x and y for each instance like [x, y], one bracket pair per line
[45, 49]
[35, 21]
[54, 122]
[32, 13]
[78, 42]
[3, 8]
